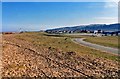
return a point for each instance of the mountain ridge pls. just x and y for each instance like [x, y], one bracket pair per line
[92, 27]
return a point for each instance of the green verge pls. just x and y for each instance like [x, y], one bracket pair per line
[110, 41]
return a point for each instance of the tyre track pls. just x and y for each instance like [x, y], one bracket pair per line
[54, 58]
[47, 58]
[19, 46]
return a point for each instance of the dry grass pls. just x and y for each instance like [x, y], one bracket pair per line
[64, 43]
[110, 41]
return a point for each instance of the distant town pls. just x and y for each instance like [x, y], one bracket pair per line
[95, 32]
[99, 30]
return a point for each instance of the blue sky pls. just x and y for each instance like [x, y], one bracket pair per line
[60, 0]
[0, 16]
[35, 16]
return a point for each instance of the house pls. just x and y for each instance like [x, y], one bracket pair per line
[112, 33]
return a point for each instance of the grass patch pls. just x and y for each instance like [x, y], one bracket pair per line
[62, 42]
[110, 41]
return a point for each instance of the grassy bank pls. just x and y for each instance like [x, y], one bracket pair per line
[110, 41]
[62, 42]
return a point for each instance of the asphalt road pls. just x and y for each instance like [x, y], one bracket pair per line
[96, 46]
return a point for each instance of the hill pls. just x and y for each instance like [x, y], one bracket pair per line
[104, 27]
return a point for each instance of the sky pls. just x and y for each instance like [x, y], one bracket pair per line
[35, 16]
[0, 16]
[60, 0]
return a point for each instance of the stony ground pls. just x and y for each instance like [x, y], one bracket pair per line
[22, 59]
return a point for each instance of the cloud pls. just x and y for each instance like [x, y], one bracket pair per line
[112, 1]
[111, 5]
[107, 20]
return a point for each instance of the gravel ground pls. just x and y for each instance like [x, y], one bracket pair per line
[22, 59]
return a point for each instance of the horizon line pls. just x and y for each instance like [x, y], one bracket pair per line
[59, 27]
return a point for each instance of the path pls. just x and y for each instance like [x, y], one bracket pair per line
[96, 46]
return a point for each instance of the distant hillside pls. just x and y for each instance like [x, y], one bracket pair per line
[110, 27]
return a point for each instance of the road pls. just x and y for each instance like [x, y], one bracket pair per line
[96, 46]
